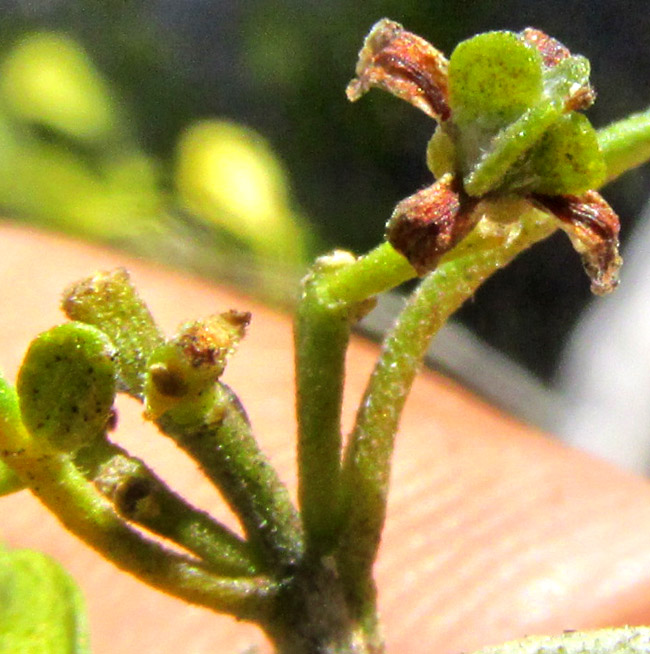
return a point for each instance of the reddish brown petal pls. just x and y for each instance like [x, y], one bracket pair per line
[582, 99]
[405, 65]
[428, 224]
[552, 51]
[593, 229]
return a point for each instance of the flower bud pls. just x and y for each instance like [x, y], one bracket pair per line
[181, 373]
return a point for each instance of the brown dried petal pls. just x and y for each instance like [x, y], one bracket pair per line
[428, 224]
[552, 51]
[405, 65]
[593, 228]
[582, 99]
[207, 343]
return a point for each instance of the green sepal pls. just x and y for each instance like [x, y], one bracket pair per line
[566, 160]
[496, 86]
[42, 610]
[493, 78]
[110, 302]
[503, 101]
[441, 153]
[66, 385]
[510, 145]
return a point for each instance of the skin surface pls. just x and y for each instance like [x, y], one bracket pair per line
[494, 530]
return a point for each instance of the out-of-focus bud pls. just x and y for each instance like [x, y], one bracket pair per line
[229, 176]
[48, 79]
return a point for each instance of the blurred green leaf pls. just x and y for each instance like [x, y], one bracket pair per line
[228, 175]
[41, 609]
[48, 79]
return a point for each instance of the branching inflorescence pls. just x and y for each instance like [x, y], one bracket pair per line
[513, 159]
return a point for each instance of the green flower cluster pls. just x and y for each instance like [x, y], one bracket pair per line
[509, 127]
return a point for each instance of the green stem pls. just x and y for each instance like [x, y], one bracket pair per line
[625, 144]
[380, 270]
[333, 296]
[367, 461]
[229, 455]
[59, 484]
[321, 335]
[631, 640]
[140, 496]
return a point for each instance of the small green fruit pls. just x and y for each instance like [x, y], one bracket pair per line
[66, 385]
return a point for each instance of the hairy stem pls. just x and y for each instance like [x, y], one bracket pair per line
[625, 144]
[381, 269]
[230, 457]
[368, 457]
[59, 484]
[141, 497]
[334, 295]
[321, 340]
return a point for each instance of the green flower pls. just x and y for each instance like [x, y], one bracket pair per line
[508, 129]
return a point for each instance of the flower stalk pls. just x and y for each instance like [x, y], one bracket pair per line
[143, 498]
[58, 483]
[369, 453]
[625, 144]
[513, 161]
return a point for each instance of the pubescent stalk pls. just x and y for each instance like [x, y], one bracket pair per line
[369, 454]
[367, 461]
[321, 334]
[625, 144]
[495, 161]
[140, 496]
[229, 455]
[58, 483]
